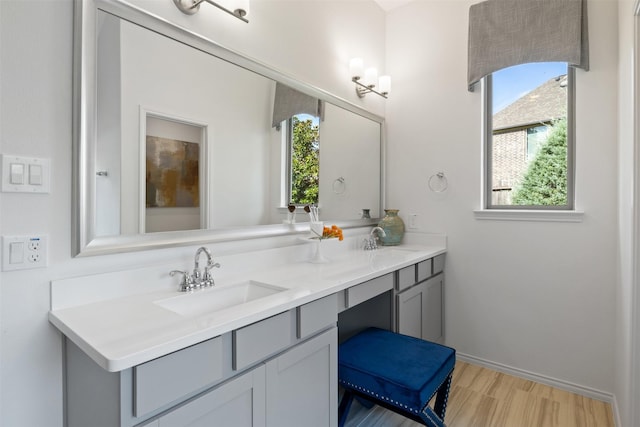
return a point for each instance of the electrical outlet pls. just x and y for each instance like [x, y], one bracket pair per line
[23, 252]
[413, 221]
[34, 245]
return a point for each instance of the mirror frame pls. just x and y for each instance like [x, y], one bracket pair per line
[84, 241]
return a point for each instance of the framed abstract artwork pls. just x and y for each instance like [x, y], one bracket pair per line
[172, 173]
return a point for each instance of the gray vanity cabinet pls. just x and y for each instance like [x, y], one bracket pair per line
[419, 310]
[420, 300]
[297, 388]
[239, 403]
[302, 384]
[280, 371]
[276, 372]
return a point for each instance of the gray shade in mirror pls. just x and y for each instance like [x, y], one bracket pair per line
[288, 102]
[237, 202]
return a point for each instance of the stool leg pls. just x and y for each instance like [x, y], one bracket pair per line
[343, 409]
[440, 405]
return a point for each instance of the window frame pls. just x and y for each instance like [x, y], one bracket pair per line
[289, 162]
[487, 144]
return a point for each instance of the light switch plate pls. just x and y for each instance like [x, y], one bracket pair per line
[34, 176]
[413, 221]
[24, 252]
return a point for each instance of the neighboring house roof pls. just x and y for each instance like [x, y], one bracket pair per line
[542, 105]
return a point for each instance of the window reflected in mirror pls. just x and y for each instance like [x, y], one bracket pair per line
[303, 148]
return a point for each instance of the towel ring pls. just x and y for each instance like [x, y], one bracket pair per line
[438, 182]
[339, 185]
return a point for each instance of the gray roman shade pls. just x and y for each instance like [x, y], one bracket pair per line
[288, 102]
[503, 33]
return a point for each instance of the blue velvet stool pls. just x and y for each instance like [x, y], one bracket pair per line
[398, 372]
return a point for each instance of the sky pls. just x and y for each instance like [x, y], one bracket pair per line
[511, 83]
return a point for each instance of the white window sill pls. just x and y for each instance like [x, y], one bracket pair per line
[528, 215]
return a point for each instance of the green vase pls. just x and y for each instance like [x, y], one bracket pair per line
[393, 227]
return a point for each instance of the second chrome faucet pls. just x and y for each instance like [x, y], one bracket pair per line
[198, 279]
[371, 242]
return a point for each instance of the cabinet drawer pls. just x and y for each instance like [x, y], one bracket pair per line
[360, 293]
[317, 315]
[424, 270]
[406, 277]
[163, 380]
[438, 264]
[261, 339]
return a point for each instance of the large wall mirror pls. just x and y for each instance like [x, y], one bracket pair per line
[175, 143]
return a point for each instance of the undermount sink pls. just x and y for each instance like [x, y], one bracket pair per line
[218, 298]
[395, 250]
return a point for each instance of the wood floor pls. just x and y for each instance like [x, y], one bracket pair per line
[480, 397]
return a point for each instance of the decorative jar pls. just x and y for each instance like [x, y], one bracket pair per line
[393, 227]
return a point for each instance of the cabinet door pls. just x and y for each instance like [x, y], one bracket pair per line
[432, 325]
[410, 311]
[302, 384]
[238, 403]
[419, 310]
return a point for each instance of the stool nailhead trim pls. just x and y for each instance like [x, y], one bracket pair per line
[371, 393]
[401, 405]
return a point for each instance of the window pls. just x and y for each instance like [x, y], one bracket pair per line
[303, 158]
[529, 137]
[536, 136]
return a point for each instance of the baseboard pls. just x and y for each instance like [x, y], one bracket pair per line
[543, 379]
[616, 412]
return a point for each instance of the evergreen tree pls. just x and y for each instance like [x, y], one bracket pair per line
[305, 162]
[545, 182]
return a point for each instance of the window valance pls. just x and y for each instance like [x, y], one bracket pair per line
[288, 102]
[503, 33]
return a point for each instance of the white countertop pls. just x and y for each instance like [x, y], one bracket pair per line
[121, 332]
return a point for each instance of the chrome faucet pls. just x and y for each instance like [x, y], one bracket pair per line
[186, 284]
[197, 280]
[205, 280]
[371, 243]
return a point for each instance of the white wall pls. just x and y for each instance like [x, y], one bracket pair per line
[236, 128]
[537, 297]
[627, 205]
[108, 151]
[352, 143]
[310, 40]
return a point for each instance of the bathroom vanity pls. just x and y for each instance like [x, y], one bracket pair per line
[160, 358]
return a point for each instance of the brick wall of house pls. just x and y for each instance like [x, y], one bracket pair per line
[509, 164]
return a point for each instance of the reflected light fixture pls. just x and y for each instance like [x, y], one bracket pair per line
[238, 8]
[366, 80]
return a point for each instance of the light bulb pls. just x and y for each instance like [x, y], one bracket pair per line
[384, 84]
[356, 68]
[371, 77]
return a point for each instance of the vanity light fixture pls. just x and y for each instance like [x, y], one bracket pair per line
[366, 80]
[238, 8]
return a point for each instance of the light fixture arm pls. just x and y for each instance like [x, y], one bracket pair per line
[190, 7]
[362, 89]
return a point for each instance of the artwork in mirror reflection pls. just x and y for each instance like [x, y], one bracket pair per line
[240, 161]
[172, 175]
